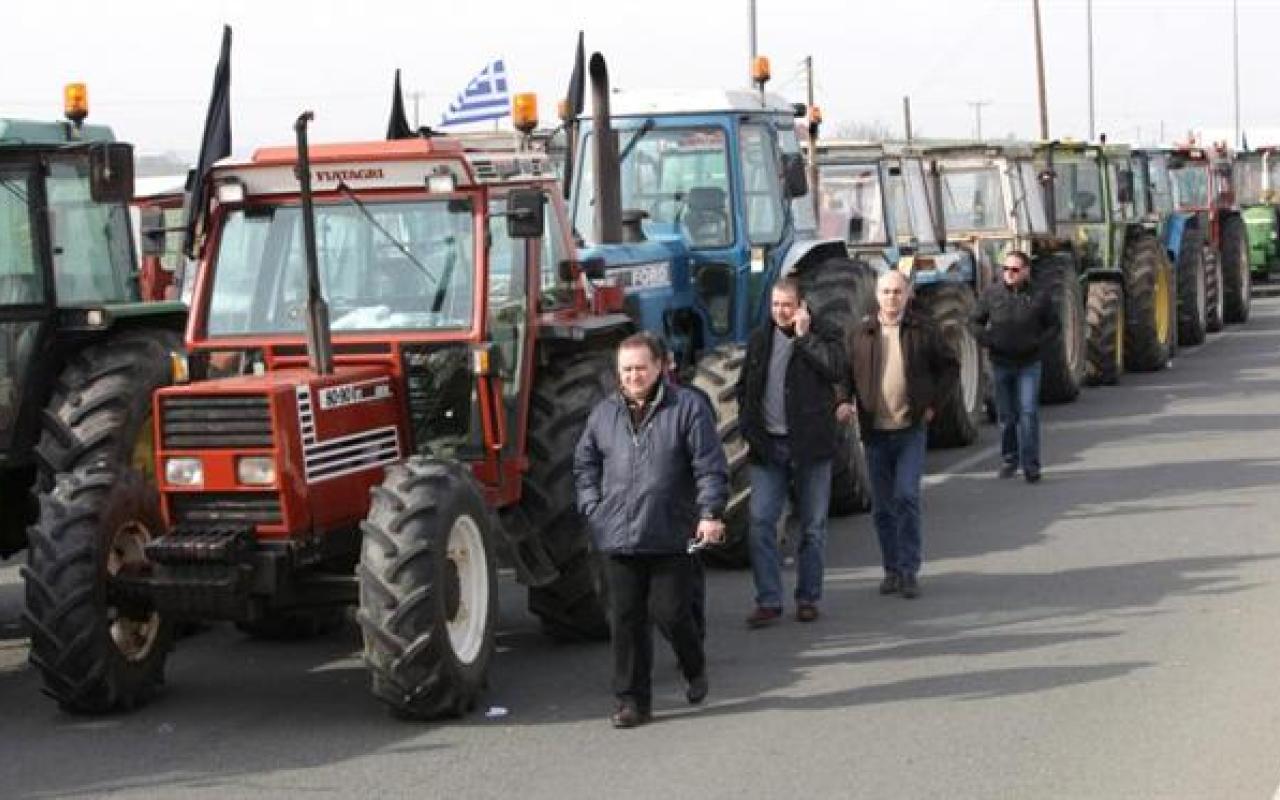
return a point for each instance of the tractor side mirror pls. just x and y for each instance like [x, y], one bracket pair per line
[1124, 186]
[111, 172]
[793, 177]
[526, 213]
[152, 230]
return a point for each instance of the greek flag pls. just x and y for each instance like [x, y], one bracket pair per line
[486, 97]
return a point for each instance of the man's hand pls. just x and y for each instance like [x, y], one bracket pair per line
[845, 412]
[710, 531]
[802, 319]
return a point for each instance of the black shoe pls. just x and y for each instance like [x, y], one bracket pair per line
[891, 584]
[910, 587]
[628, 716]
[1031, 475]
[697, 691]
[1007, 471]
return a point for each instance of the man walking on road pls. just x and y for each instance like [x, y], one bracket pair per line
[1015, 324]
[786, 396]
[901, 370]
[650, 475]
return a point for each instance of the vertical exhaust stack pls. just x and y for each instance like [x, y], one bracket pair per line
[319, 342]
[608, 175]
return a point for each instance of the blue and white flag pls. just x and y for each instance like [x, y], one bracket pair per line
[486, 97]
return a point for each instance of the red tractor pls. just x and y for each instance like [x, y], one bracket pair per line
[392, 354]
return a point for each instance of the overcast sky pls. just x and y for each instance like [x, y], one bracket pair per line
[149, 65]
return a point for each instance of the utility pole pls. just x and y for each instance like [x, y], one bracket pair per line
[1044, 107]
[906, 116]
[1235, 59]
[977, 115]
[751, 27]
[1088, 12]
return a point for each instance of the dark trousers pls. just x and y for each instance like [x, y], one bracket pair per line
[641, 586]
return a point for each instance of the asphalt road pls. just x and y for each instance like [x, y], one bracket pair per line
[1110, 632]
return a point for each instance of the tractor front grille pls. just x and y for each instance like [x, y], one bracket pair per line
[218, 423]
[225, 508]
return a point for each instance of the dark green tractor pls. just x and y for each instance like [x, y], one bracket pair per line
[81, 350]
[1257, 177]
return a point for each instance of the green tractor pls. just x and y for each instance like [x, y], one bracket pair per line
[81, 347]
[1129, 284]
[1257, 174]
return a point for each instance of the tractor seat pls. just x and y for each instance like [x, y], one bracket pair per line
[707, 218]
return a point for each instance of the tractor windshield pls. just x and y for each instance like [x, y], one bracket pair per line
[678, 176]
[972, 200]
[852, 203]
[1249, 174]
[1077, 189]
[93, 258]
[369, 282]
[21, 280]
[1191, 184]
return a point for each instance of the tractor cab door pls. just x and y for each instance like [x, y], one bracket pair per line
[26, 309]
[91, 240]
[509, 322]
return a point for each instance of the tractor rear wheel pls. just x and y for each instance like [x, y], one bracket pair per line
[1213, 320]
[956, 421]
[1065, 358]
[716, 374]
[428, 589]
[1237, 286]
[841, 291]
[95, 650]
[573, 605]
[1192, 289]
[1149, 326]
[1105, 314]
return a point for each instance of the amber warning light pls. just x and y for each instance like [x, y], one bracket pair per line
[524, 112]
[75, 102]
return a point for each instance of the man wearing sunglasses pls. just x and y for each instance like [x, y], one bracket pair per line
[1015, 323]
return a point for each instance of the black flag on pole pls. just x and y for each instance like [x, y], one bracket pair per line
[398, 125]
[576, 96]
[214, 145]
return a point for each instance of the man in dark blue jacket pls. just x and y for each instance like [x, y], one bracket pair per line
[650, 475]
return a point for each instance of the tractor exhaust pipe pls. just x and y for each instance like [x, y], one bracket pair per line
[319, 342]
[608, 175]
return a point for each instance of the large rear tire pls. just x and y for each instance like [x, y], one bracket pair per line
[573, 606]
[1213, 320]
[1193, 297]
[428, 589]
[716, 374]
[1149, 326]
[1237, 288]
[1105, 314]
[956, 422]
[1065, 358]
[95, 652]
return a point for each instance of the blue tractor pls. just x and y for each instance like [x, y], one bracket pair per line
[694, 203]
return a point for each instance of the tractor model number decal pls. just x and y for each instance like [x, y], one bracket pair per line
[352, 394]
[643, 276]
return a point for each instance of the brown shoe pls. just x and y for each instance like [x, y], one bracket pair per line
[763, 616]
[628, 716]
[807, 612]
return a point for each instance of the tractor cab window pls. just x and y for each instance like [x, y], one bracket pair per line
[973, 199]
[1191, 185]
[553, 292]
[679, 177]
[1161, 186]
[852, 203]
[915, 217]
[761, 184]
[1249, 181]
[508, 309]
[1077, 190]
[1028, 199]
[802, 214]
[386, 266]
[21, 280]
[92, 247]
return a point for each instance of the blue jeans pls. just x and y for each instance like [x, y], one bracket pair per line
[1018, 411]
[769, 484]
[895, 460]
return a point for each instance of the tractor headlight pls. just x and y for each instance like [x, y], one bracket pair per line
[184, 471]
[256, 470]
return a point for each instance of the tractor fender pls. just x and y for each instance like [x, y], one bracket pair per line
[802, 255]
[1173, 233]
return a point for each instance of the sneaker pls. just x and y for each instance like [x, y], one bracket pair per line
[763, 616]
[891, 583]
[1031, 475]
[910, 587]
[628, 716]
[806, 612]
[697, 691]
[1007, 470]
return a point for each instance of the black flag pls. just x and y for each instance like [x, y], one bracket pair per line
[398, 126]
[574, 99]
[214, 145]
[577, 85]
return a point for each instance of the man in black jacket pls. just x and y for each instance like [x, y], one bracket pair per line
[1015, 324]
[786, 397]
[650, 475]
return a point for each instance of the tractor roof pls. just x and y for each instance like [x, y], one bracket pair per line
[36, 132]
[979, 150]
[647, 103]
